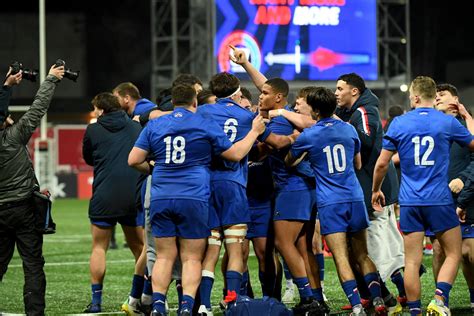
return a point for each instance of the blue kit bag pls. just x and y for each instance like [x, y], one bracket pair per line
[266, 306]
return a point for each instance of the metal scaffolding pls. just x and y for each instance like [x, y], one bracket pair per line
[182, 40]
[394, 47]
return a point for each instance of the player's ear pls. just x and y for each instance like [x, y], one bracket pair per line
[354, 91]
[279, 97]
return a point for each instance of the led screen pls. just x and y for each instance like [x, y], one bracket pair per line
[299, 39]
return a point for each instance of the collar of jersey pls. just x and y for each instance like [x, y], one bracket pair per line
[181, 109]
[226, 101]
[326, 119]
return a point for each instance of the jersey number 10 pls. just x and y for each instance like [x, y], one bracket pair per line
[333, 158]
[425, 141]
[178, 154]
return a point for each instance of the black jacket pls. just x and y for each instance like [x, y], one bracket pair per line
[365, 117]
[17, 177]
[461, 165]
[106, 146]
[465, 199]
[5, 94]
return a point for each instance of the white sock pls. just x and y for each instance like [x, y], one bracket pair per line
[357, 309]
[133, 302]
[147, 299]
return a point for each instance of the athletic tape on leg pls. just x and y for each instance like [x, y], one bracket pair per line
[215, 238]
[235, 233]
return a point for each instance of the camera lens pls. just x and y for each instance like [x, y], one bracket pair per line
[71, 75]
[30, 75]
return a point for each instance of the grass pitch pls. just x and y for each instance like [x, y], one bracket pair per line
[67, 272]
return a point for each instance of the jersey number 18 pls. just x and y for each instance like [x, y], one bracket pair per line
[177, 154]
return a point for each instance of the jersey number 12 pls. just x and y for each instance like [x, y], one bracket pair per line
[425, 141]
[177, 154]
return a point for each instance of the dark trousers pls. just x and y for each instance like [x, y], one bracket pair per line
[17, 225]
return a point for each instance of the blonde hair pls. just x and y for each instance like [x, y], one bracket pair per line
[424, 86]
[128, 88]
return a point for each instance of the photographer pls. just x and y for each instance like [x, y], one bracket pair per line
[17, 184]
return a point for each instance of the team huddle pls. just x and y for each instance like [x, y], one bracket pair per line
[223, 171]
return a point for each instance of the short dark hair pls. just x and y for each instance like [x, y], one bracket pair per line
[322, 100]
[394, 111]
[186, 79]
[203, 96]
[163, 100]
[279, 86]
[183, 95]
[224, 84]
[128, 88]
[107, 102]
[447, 87]
[246, 94]
[354, 80]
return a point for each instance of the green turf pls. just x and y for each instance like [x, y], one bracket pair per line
[67, 271]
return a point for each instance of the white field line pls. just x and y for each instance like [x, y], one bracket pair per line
[77, 263]
[74, 263]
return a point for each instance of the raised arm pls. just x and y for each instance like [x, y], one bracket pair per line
[240, 58]
[31, 119]
[6, 92]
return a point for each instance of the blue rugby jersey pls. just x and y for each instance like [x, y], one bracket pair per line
[331, 146]
[288, 179]
[182, 144]
[236, 122]
[423, 139]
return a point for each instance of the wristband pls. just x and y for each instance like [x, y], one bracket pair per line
[280, 112]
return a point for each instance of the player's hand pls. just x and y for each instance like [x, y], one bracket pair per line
[272, 114]
[378, 200]
[136, 118]
[461, 214]
[264, 113]
[459, 109]
[456, 185]
[275, 113]
[238, 55]
[58, 72]
[12, 80]
[294, 136]
[258, 125]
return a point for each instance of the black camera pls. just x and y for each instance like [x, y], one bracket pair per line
[28, 74]
[68, 73]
